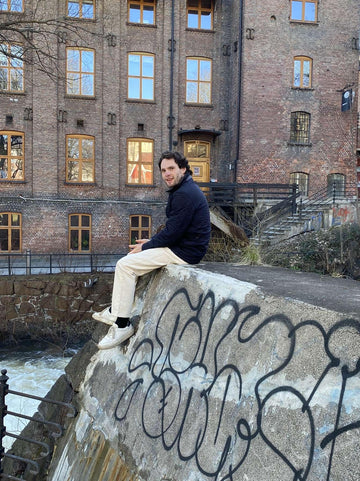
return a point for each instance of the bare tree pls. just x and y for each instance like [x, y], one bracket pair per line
[31, 37]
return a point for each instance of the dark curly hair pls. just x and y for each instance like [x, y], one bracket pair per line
[179, 159]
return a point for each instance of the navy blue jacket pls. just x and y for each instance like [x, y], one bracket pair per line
[187, 229]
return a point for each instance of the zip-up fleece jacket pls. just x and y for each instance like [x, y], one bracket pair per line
[187, 229]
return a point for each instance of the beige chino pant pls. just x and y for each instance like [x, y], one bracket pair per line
[132, 266]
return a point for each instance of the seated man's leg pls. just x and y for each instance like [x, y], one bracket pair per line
[128, 269]
[132, 266]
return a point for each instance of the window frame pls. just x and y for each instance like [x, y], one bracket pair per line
[302, 59]
[13, 68]
[140, 163]
[141, 77]
[198, 81]
[296, 133]
[9, 157]
[141, 4]
[339, 180]
[79, 159]
[140, 229]
[304, 2]
[13, 11]
[79, 228]
[199, 10]
[10, 228]
[304, 181]
[80, 16]
[80, 72]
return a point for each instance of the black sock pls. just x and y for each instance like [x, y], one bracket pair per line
[122, 322]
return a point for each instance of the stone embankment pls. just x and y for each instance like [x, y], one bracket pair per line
[51, 307]
[225, 379]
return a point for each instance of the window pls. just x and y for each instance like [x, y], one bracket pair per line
[336, 185]
[302, 72]
[140, 227]
[11, 5]
[80, 72]
[11, 68]
[142, 11]
[302, 181]
[198, 80]
[80, 153]
[11, 156]
[200, 14]
[300, 128]
[79, 232]
[139, 161]
[304, 10]
[10, 232]
[141, 76]
[81, 8]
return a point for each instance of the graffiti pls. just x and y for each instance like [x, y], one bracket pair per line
[315, 222]
[341, 215]
[210, 411]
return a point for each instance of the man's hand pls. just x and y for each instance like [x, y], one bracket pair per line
[134, 248]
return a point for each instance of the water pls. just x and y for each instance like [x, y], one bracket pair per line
[32, 368]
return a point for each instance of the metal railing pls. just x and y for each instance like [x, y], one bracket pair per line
[238, 193]
[54, 429]
[28, 263]
[328, 196]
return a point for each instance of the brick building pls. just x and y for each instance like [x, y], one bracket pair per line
[250, 91]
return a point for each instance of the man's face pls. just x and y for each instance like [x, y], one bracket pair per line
[171, 172]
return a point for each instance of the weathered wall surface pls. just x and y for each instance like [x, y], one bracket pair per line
[220, 382]
[51, 306]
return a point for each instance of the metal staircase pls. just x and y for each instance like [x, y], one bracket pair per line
[308, 215]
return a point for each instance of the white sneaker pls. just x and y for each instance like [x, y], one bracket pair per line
[105, 316]
[116, 336]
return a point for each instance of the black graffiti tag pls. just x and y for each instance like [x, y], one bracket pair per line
[174, 390]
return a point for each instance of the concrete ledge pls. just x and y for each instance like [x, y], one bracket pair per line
[222, 381]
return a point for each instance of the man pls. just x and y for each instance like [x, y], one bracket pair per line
[184, 240]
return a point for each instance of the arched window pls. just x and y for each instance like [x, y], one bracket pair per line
[336, 185]
[301, 179]
[302, 72]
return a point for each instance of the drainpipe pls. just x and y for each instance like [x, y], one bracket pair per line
[171, 75]
[241, 19]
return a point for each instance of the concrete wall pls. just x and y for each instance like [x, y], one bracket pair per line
[220, 382]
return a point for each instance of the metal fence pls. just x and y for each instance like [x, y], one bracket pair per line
[54, 429]
[29, 263]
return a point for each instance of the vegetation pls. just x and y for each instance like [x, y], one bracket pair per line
[335, 252]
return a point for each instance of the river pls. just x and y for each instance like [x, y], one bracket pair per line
[32, 368]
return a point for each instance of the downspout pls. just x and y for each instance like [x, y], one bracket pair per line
[170, 123]
[240, 45]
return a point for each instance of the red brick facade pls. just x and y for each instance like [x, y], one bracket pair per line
[247, 122]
